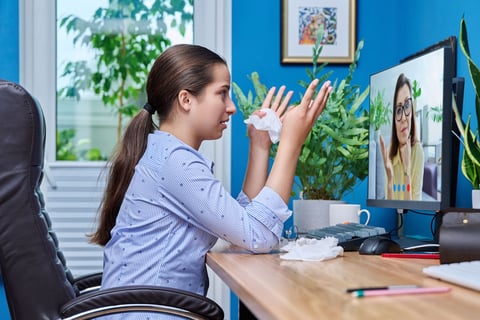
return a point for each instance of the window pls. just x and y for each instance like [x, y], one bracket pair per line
[104, 51]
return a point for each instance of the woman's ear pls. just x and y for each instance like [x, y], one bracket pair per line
[185, 100]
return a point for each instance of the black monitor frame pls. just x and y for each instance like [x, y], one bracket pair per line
[450, 144]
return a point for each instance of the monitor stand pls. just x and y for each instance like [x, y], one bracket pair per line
[416, 245]
[411, 244]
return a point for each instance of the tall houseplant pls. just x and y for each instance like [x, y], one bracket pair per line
[334, 157]
[471, 152]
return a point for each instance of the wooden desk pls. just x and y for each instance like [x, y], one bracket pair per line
[273, 288]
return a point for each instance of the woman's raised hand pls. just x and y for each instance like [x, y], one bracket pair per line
[299, 120]
[279, 105]
[260, 143]
[297, 123]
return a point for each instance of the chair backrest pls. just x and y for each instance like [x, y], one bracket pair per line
[430, 179]
[36, 279]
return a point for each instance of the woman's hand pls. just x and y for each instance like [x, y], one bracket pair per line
[278, 105]
[260, 143]
[297, 123]
[260, 138]
[299, 120]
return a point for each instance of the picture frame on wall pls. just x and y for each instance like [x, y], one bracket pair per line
[301, 20]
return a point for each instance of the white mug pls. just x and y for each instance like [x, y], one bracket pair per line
[345, 213]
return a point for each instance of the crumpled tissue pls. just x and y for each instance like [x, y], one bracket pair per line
[270, 122]
[312, 249]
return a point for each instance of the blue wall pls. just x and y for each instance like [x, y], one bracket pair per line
[256, 47]
[9, 60]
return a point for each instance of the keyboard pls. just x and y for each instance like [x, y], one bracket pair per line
[466, 274]
[350, 235]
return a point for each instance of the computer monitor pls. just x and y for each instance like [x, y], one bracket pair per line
[411, 111]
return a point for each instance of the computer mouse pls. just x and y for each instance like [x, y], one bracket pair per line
[379, 245]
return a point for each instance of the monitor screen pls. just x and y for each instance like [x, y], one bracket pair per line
[411, 165]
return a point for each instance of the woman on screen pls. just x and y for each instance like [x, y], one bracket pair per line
[404, 161]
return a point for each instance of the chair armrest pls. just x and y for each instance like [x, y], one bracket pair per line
[88, 282]
[142, 298]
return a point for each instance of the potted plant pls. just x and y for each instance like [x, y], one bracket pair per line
[334, 157]
[471, 143]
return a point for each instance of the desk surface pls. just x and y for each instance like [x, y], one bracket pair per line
[273, 288]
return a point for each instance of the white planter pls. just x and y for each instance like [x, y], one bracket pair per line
[311, 214]
[476, 199]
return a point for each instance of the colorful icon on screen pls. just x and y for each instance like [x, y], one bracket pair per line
[401, 187]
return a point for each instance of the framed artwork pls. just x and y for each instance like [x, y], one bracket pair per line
[301, 21]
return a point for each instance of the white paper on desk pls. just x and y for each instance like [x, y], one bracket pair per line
[270, 122]
[312, 249]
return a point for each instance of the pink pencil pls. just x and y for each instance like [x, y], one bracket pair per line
[371, 293]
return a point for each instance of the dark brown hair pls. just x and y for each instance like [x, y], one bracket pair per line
[401, 81]
[180, 67]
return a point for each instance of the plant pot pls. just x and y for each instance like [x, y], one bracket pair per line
[476, 199]
[311, 214]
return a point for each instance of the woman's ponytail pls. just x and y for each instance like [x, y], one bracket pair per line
[121, 168]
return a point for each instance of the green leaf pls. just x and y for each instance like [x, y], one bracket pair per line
[471, 154]
[469, 170]
[472, 146]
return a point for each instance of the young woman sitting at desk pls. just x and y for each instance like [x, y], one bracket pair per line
[163, 208]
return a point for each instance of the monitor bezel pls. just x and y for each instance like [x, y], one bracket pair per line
[449, 165]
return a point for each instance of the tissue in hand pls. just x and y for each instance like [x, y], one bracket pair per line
[270, 122]
[312, 249]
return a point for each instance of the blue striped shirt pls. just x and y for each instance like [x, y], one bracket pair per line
[173, 213]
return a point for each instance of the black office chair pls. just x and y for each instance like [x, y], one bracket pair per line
[38, 283]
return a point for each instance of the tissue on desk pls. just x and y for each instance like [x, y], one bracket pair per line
[312, 249]
[270, 122]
